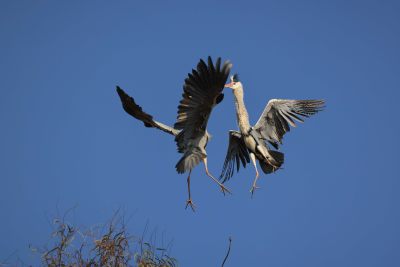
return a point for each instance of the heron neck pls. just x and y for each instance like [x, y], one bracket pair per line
[241, 113]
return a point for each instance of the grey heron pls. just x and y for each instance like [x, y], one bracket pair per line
[250, 143]
[202, 91]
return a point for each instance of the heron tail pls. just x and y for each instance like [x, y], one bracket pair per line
[274, 163]
[189, 160]
[278, 158]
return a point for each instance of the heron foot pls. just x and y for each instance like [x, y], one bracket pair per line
[190, 203]
[224, 189]
[253, 188]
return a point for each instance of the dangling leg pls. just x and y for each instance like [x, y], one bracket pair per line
[223, 188]
[189, 201]
[253, 159]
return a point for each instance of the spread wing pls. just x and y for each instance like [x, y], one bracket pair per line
[237, 153]
[202, 90]
[280, 113]
[133, 109]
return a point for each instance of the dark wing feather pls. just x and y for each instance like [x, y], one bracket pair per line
[133, 109]
[280, 114]
[237, 154]
[202, 90]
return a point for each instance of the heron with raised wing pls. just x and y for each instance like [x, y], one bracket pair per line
[251, 142]
[202, 91]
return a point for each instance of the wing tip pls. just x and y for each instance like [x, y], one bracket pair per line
[118, 89]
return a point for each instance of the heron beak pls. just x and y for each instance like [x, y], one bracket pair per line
[229, 85]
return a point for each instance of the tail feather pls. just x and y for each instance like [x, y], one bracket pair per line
[277, 160]
[189, 160]
[266, 167]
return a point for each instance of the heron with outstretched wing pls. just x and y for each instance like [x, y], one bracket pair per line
[202, 91]
[251, 142]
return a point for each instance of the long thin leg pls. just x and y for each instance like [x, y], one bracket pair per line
[223, 188]
[253, 159]
[189, 201]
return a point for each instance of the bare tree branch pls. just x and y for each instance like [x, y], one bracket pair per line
[227, 253]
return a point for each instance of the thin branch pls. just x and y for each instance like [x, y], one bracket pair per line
[227, 253]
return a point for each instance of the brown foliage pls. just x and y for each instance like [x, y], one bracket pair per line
[112, 247]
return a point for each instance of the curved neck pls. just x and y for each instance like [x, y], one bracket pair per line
[241, 113]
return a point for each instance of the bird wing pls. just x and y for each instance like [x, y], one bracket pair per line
[280, 113]
[136, 111]
[202, 90]
[237, 153]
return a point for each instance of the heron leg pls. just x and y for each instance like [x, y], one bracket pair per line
[189, 202]
[223, 188]
[254, 187]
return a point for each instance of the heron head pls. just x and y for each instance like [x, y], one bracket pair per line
[235, 83]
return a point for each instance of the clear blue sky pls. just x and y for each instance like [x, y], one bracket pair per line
[66, 141]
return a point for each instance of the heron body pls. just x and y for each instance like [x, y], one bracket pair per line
[251, 142]
[202, 91]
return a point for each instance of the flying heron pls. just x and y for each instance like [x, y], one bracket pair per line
[251, 141]
[202, 91]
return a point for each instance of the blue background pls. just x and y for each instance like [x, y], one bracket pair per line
[66, 141]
